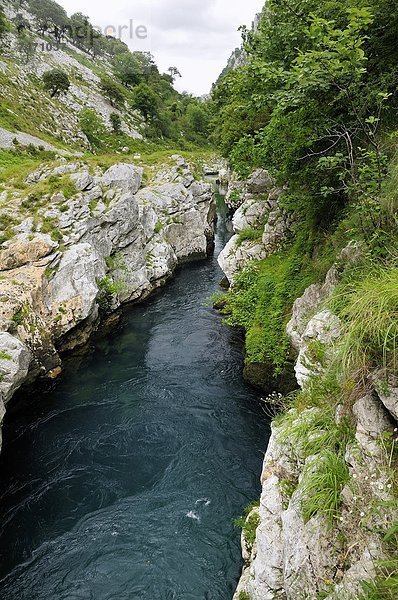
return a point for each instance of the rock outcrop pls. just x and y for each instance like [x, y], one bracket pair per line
[261, 224]
[294, 557]
[83, 241]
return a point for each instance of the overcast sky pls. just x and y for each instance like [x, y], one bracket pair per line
[197, 36]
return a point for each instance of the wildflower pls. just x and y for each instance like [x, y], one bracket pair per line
[362, 514]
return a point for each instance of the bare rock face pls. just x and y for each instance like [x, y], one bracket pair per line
[373, 421]
[15, 359]
[316, 346]
[387, 390]
[124, 177]
[23, 252]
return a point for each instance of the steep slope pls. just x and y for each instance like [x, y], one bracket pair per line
[309, 126]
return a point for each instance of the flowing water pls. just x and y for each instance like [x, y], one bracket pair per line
[122, 481]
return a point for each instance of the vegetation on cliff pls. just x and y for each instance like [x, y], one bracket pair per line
[316, 105]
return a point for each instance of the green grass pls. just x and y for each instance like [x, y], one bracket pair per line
[368, 305]
[5, 356]
[385, 585]
[322, 484]
[249, 523]
[250, 235]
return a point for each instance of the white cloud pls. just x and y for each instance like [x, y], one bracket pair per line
[197, 36]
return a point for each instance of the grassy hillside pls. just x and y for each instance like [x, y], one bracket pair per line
[79, 90]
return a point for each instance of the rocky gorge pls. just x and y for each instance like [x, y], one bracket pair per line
[75, 256]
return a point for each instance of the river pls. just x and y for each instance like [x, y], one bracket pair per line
[122, 481]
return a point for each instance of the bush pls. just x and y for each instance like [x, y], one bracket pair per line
[93, 127]
[56, 82]
[112, 91]
[116, 122]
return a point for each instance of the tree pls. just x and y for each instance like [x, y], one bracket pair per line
[112, 91]
[128, 69]
[56, 82]
[174, 73]
[81, 31]
[26, 45]
[145, 100]
[93, 127]
[49, 15]
[21, 23]
[116, 122]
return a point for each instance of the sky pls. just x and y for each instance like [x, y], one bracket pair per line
[196, 36]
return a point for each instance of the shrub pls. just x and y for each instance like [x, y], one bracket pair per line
[116, 122]
[56, 82]
[93, 127]
[112, 91]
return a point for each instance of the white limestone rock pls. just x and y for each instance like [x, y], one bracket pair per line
[15, 360]
[372, 421]
[125, 177]
[316, 345]
[251, 215]
[236, 256]
[74, 286]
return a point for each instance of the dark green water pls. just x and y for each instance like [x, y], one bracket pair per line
[122, 482]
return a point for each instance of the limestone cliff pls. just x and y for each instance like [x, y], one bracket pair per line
[301, 550]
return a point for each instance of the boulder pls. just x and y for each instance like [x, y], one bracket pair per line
[236, 256]
[372, 421]
[251, 215]
[259, 182]
[15, 359]
[125, 177]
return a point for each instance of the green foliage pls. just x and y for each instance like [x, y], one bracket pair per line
[93, 127]
[116, 122]
[262, 295]
[5, 356]
[385, 586]
[56, 82]
[3, 24]
[368, 305]
[112, 91]
[108, 289]
[323, 482]
[145, 100]
[128, 69]
[249, 523]
[250, 235]
[314, 101]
